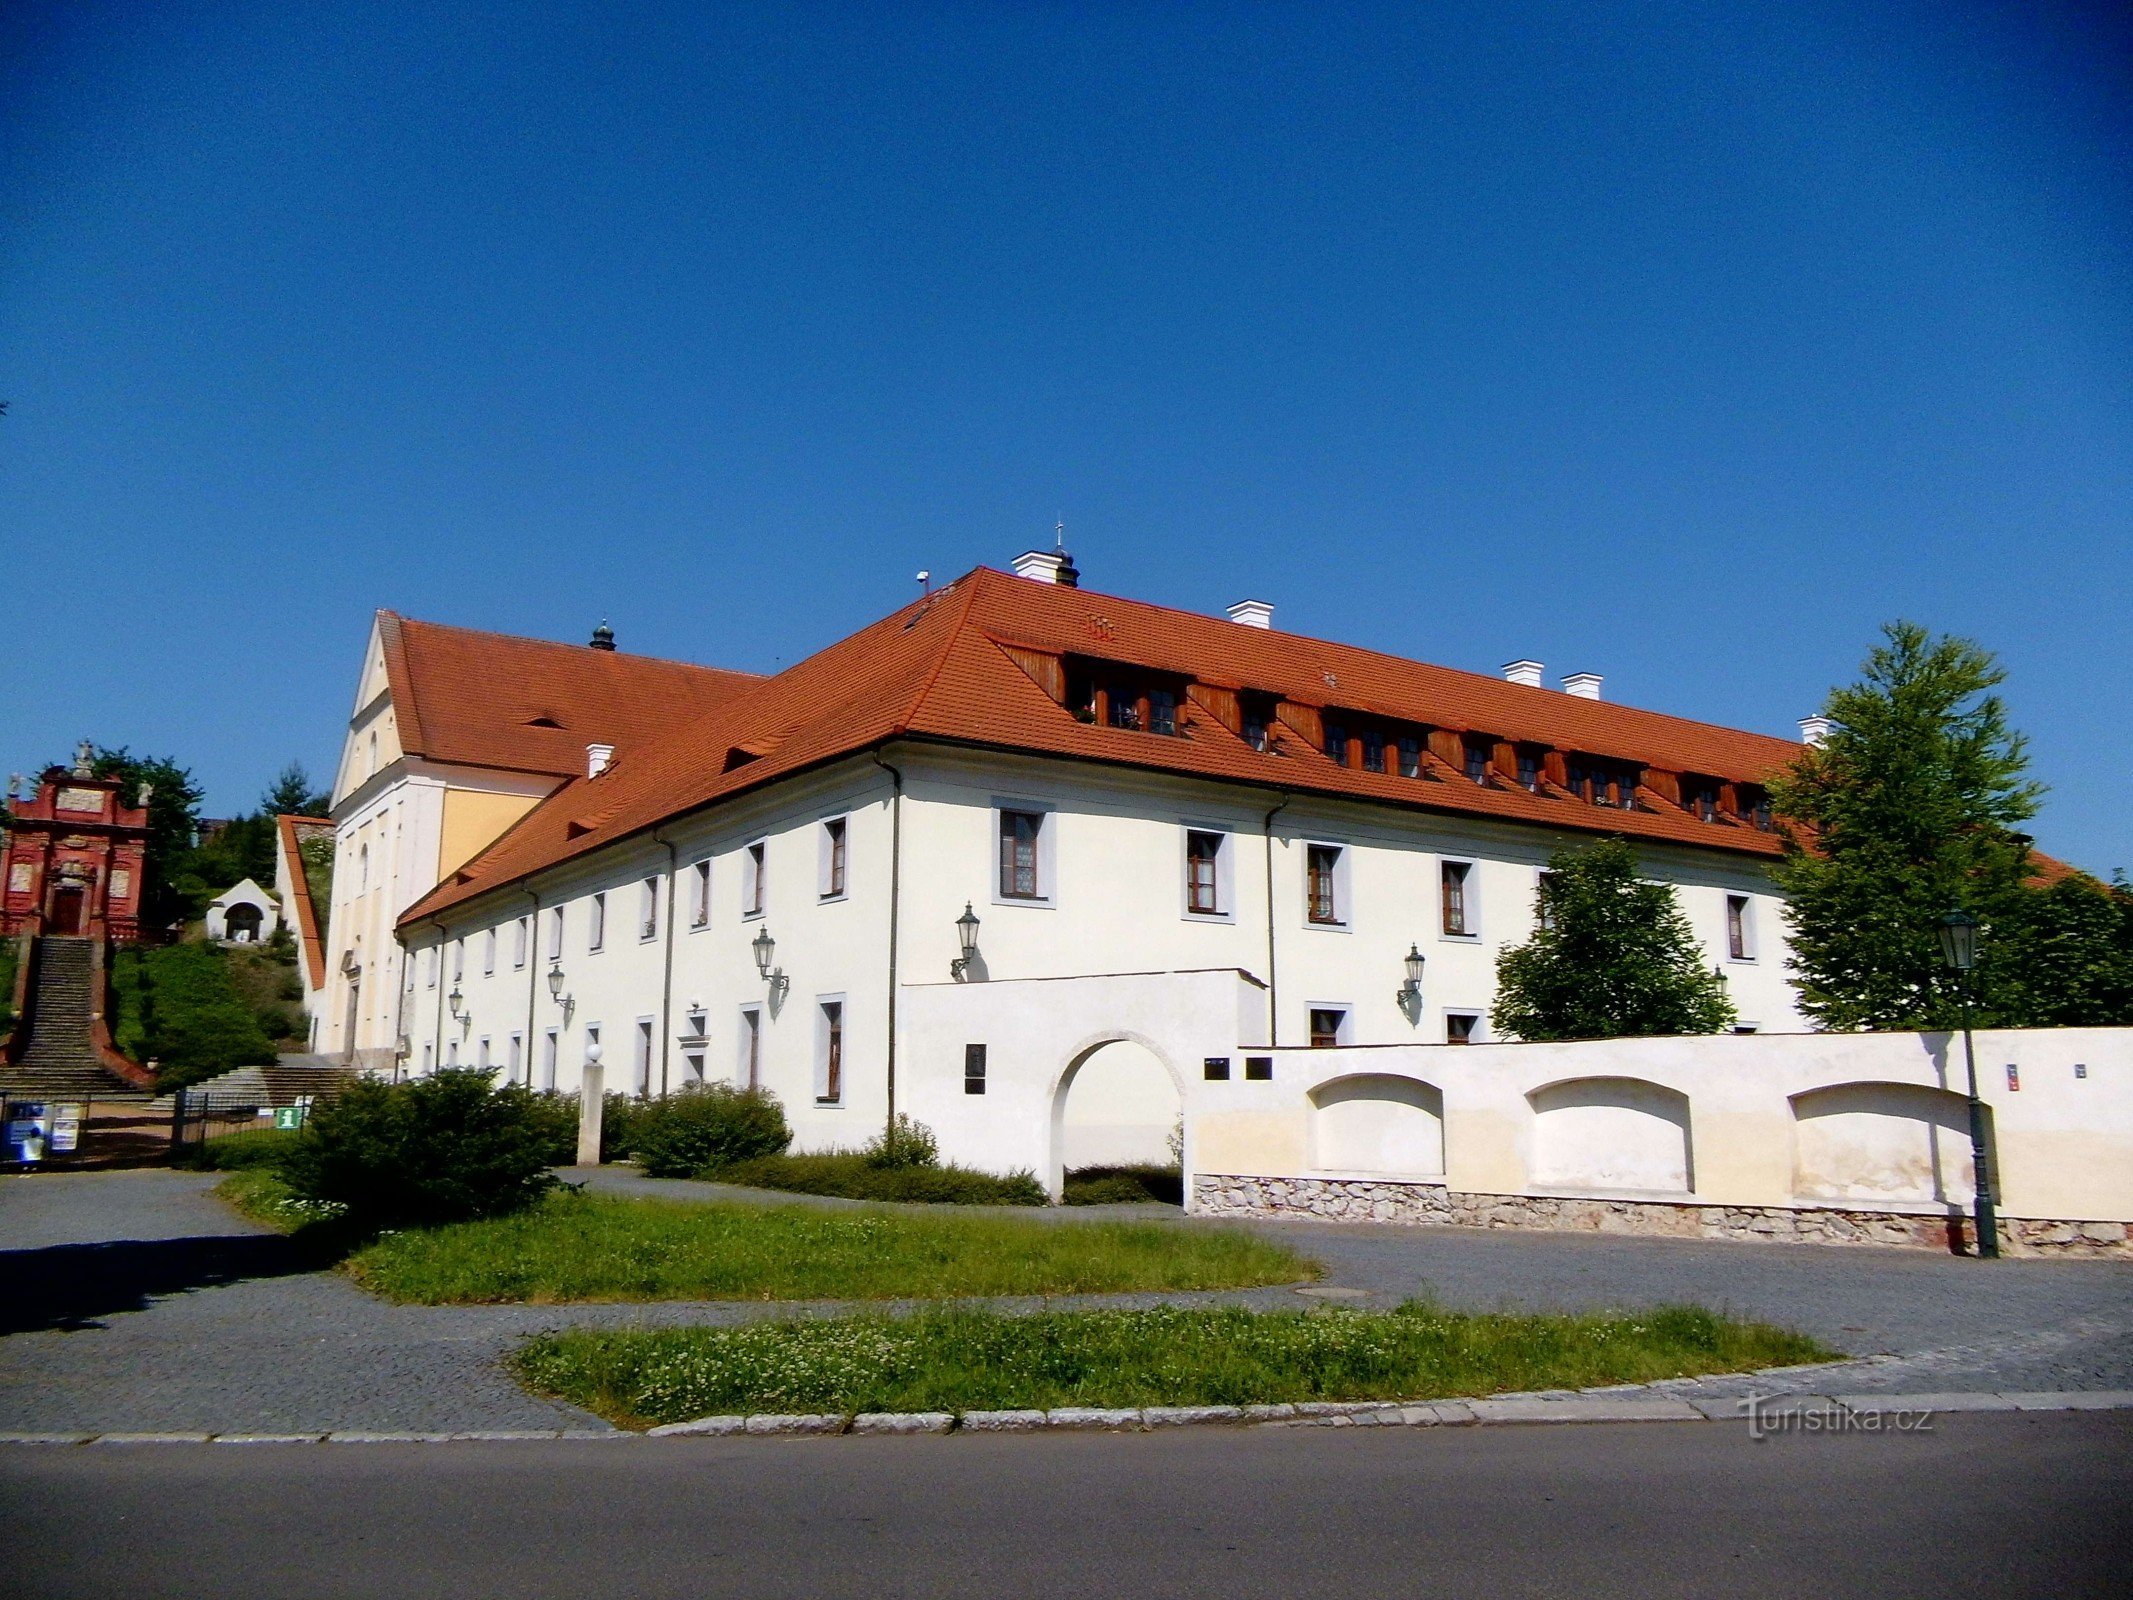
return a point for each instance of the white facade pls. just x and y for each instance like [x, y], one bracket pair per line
[1111, 897]
[244, 913]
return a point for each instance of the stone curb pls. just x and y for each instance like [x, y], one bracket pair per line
[1496, 1411]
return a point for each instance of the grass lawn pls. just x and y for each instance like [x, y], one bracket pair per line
[972, 1360]
[576, 1247]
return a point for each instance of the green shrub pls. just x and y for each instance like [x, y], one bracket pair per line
[1103, 1186]
[706, 1125]
[852, 1175]
[904, 1143]
[234, 1152]
[443, 1148]
[180, 1005]
[555, 1120]
[557, 1116]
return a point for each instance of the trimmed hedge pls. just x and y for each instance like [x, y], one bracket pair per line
[1102, 1186]
[854, 1175]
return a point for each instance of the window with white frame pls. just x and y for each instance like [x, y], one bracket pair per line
[1022, 875]
[755, 877]
[829, 1052]
[596, 923]
[700, 894]
[514, 1057]
[648, 909]
[1740, 928]
[692, 1066]
[551, 1052]
[748, 1065]
[555, 934]
[829, 883]
[429, 1056]
[521, 937]
[481, 1052]
[1455, 888]
[641, 1063]
[1325, 874]
[429, 967]
[1207, 889]
[1543, 901]
[451, 1053]
[1462, 1027]
[488, 952]
[1329, 1026]
[459, 959]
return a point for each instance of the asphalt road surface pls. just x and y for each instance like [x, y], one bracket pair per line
[1985, 1505]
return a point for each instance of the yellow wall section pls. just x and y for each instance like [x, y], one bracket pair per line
[473, 820]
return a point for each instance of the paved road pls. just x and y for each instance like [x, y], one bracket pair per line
[133, 1301]
[1983, 1506]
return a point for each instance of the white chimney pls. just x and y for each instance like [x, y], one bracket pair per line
[1525, 672]
[1252, 614]
[1585, 685]
[1815, 730]
[597, 756]
[1042, 565]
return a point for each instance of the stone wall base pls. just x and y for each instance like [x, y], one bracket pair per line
[1376, 1200]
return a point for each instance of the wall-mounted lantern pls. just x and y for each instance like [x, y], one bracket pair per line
[966, 936]
[455, 1000]
[765, 948]
[1410, 992]
[555, 989]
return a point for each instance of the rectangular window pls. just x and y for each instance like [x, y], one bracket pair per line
[1452, 877]
[1459, 1026]
[973, 1069]
[1162, 712]
[1336, 744]
[833, 837]
[1410, 756]
[750, 1069]
[514, 1057]
[1373, 751]
[1529, 770]
[829, 1085]
[1478, 754]
[596, 927]
[1259, 1069]
[555, 934]
[755, 878]
[1752, 806]
[1203, 857]
[1543, 904]
[481, 1053]
[1605, 783]
[648, 909]
[642, 1077]
[700, 894]
[1215, 1069]
[1256, 721]
[1125, 708]
[459, 959]
[1700, 799]
[429, 1057]
[521, 939]
[1740, 944]
[692, 1066]
[488, 952]
[551, 1052]
[429, 968]
[1326, 1024]
[451, 1054]
[1019, 832]
[1321, 892]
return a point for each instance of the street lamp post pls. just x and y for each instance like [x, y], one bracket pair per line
[1958, 952]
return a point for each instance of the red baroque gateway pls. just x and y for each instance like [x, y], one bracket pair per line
[71, 864]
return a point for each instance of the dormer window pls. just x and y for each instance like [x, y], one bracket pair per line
[1256, 716]
[1752, 805]
[1337, 743]
[1410, 746]
[1604, 783]
[1478, 754]
[1120, 697]
[1530, 768]
[1699, 798]
[1373, 750]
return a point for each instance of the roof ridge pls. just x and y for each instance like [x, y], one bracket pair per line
[943, 650]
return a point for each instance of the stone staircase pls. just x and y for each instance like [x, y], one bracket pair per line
[59, 1060]
[281, 1084]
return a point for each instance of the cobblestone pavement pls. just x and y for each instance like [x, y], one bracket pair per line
[134, 1301]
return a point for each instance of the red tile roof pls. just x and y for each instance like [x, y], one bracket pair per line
[531, 705]
[940, 669]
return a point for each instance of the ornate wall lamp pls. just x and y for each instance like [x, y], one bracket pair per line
[1409, 996]
[766, 947]
[966, 936]
[555, 989]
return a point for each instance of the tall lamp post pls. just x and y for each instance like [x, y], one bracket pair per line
[1958, 952]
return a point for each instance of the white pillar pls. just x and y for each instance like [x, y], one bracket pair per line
[592, 1101]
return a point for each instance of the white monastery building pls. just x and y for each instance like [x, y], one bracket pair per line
[1050, 870]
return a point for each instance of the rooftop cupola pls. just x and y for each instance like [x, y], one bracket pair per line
[603, 636]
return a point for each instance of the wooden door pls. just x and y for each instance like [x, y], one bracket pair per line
[69, 911]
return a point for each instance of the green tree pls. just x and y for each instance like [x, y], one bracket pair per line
[1614, 957]
[292, 795]
[1908, 809]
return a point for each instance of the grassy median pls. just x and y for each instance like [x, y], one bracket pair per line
[974, 1360]
[577, 1247]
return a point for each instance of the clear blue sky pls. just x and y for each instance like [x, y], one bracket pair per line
[1681, 344]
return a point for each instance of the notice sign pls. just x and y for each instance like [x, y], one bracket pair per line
[66, 1130]
[29, 1125]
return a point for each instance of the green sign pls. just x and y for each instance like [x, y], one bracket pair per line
[288, 1117]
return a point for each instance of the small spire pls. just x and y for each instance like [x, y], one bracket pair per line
[84, 760]
[603, 636]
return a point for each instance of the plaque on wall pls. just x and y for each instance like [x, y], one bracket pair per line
[121, 883]
[22, 877]
[81, 800]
